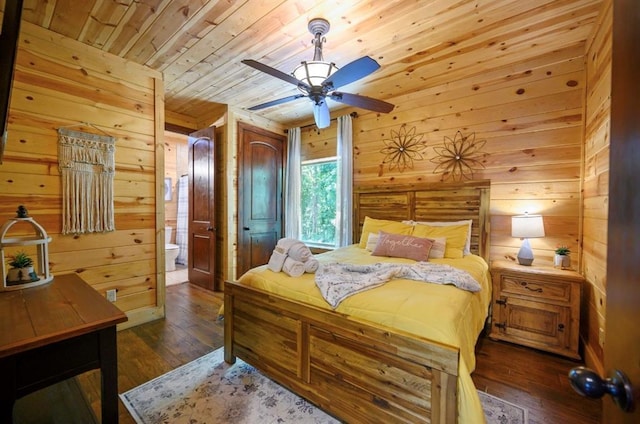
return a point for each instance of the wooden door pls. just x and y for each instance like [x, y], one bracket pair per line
[622, 344]
[202, 208]
[260, 221]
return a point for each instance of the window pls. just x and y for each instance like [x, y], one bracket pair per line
[318, 201]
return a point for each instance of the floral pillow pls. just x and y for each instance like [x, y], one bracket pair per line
[402, 246]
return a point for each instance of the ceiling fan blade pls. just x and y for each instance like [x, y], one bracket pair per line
[321, 114]
[276, 102]
[362, 102]
[351, 72]
[275, 73]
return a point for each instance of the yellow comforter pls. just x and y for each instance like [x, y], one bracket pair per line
[456, 316]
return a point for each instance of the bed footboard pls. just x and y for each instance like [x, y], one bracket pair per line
[354, 370]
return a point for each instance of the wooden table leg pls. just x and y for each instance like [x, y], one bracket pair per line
[109, 371]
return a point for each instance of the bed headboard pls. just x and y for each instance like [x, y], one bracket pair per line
[428, 202]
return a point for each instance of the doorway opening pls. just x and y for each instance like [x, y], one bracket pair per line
[176, 203]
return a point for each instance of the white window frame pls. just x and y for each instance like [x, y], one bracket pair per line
[333, 159]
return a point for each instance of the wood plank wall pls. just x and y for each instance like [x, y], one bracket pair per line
[596, 186]
[546, 126]
[60, 82]
[530, 112]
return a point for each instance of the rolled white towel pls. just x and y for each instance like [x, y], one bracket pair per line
[276, 261]
[284, 244]
[293, 268]
[300, 252]
[294, 248]
[311, 265]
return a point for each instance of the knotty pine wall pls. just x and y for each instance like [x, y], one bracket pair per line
[61, 82]
[546, 126]
[531, 115]
[596, 186]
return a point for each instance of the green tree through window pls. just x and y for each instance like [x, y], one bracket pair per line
[318, 201]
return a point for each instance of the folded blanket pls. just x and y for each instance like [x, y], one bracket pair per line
[311, 265]
[276, 261]
[294, 248]
[338, 281]
[292, 267]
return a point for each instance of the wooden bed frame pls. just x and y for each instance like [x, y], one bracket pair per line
[353, 369]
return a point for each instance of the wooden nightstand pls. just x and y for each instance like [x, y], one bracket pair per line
[536, 306]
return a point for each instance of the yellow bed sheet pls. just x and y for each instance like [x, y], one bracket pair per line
[441, 313]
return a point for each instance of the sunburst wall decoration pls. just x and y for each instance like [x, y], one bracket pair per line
[402, 148]
[458, 158]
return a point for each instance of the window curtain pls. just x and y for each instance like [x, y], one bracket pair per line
[344, 187]
[292, 185]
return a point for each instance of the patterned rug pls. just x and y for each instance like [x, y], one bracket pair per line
[210, 391]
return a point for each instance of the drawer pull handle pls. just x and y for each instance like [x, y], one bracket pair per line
[526, 286]
[502, 326]
[502, 302]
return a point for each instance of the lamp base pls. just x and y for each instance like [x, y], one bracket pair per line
[525, 254]
[525, 261]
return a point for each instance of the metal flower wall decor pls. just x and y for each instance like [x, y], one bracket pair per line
[402, 149]
[458, 158]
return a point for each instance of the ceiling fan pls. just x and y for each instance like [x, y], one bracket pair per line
[318, 80]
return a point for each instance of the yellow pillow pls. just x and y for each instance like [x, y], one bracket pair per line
[371, 225]
[456, 237]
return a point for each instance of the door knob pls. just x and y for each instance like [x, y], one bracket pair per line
[211, 229]
[246, 228]
[588, 383]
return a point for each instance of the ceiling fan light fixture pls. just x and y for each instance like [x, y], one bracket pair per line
[314, 72]
[318, 79]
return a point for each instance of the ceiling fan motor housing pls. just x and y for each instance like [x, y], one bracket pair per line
[319, 26]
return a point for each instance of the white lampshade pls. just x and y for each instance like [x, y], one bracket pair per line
[526, 227]
[314, 72]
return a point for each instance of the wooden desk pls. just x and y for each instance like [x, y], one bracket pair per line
[53, 332]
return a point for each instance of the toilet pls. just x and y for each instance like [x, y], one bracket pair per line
[171, 251]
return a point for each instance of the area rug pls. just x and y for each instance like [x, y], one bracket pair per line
[210, 391]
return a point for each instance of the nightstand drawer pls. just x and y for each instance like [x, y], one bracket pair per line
[533, 287]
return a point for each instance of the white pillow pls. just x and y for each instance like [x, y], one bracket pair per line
[372, 241]
[438, 247]
[467, 247]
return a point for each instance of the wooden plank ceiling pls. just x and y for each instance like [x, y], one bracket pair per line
[198, 44]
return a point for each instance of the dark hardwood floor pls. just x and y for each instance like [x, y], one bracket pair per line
[533, 379]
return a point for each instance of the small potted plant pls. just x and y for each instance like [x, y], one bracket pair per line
[21, 268]
[562, 258]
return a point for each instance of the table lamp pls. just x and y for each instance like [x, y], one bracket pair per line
[525, 227]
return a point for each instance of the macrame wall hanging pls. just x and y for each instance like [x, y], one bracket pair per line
[87, 165]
